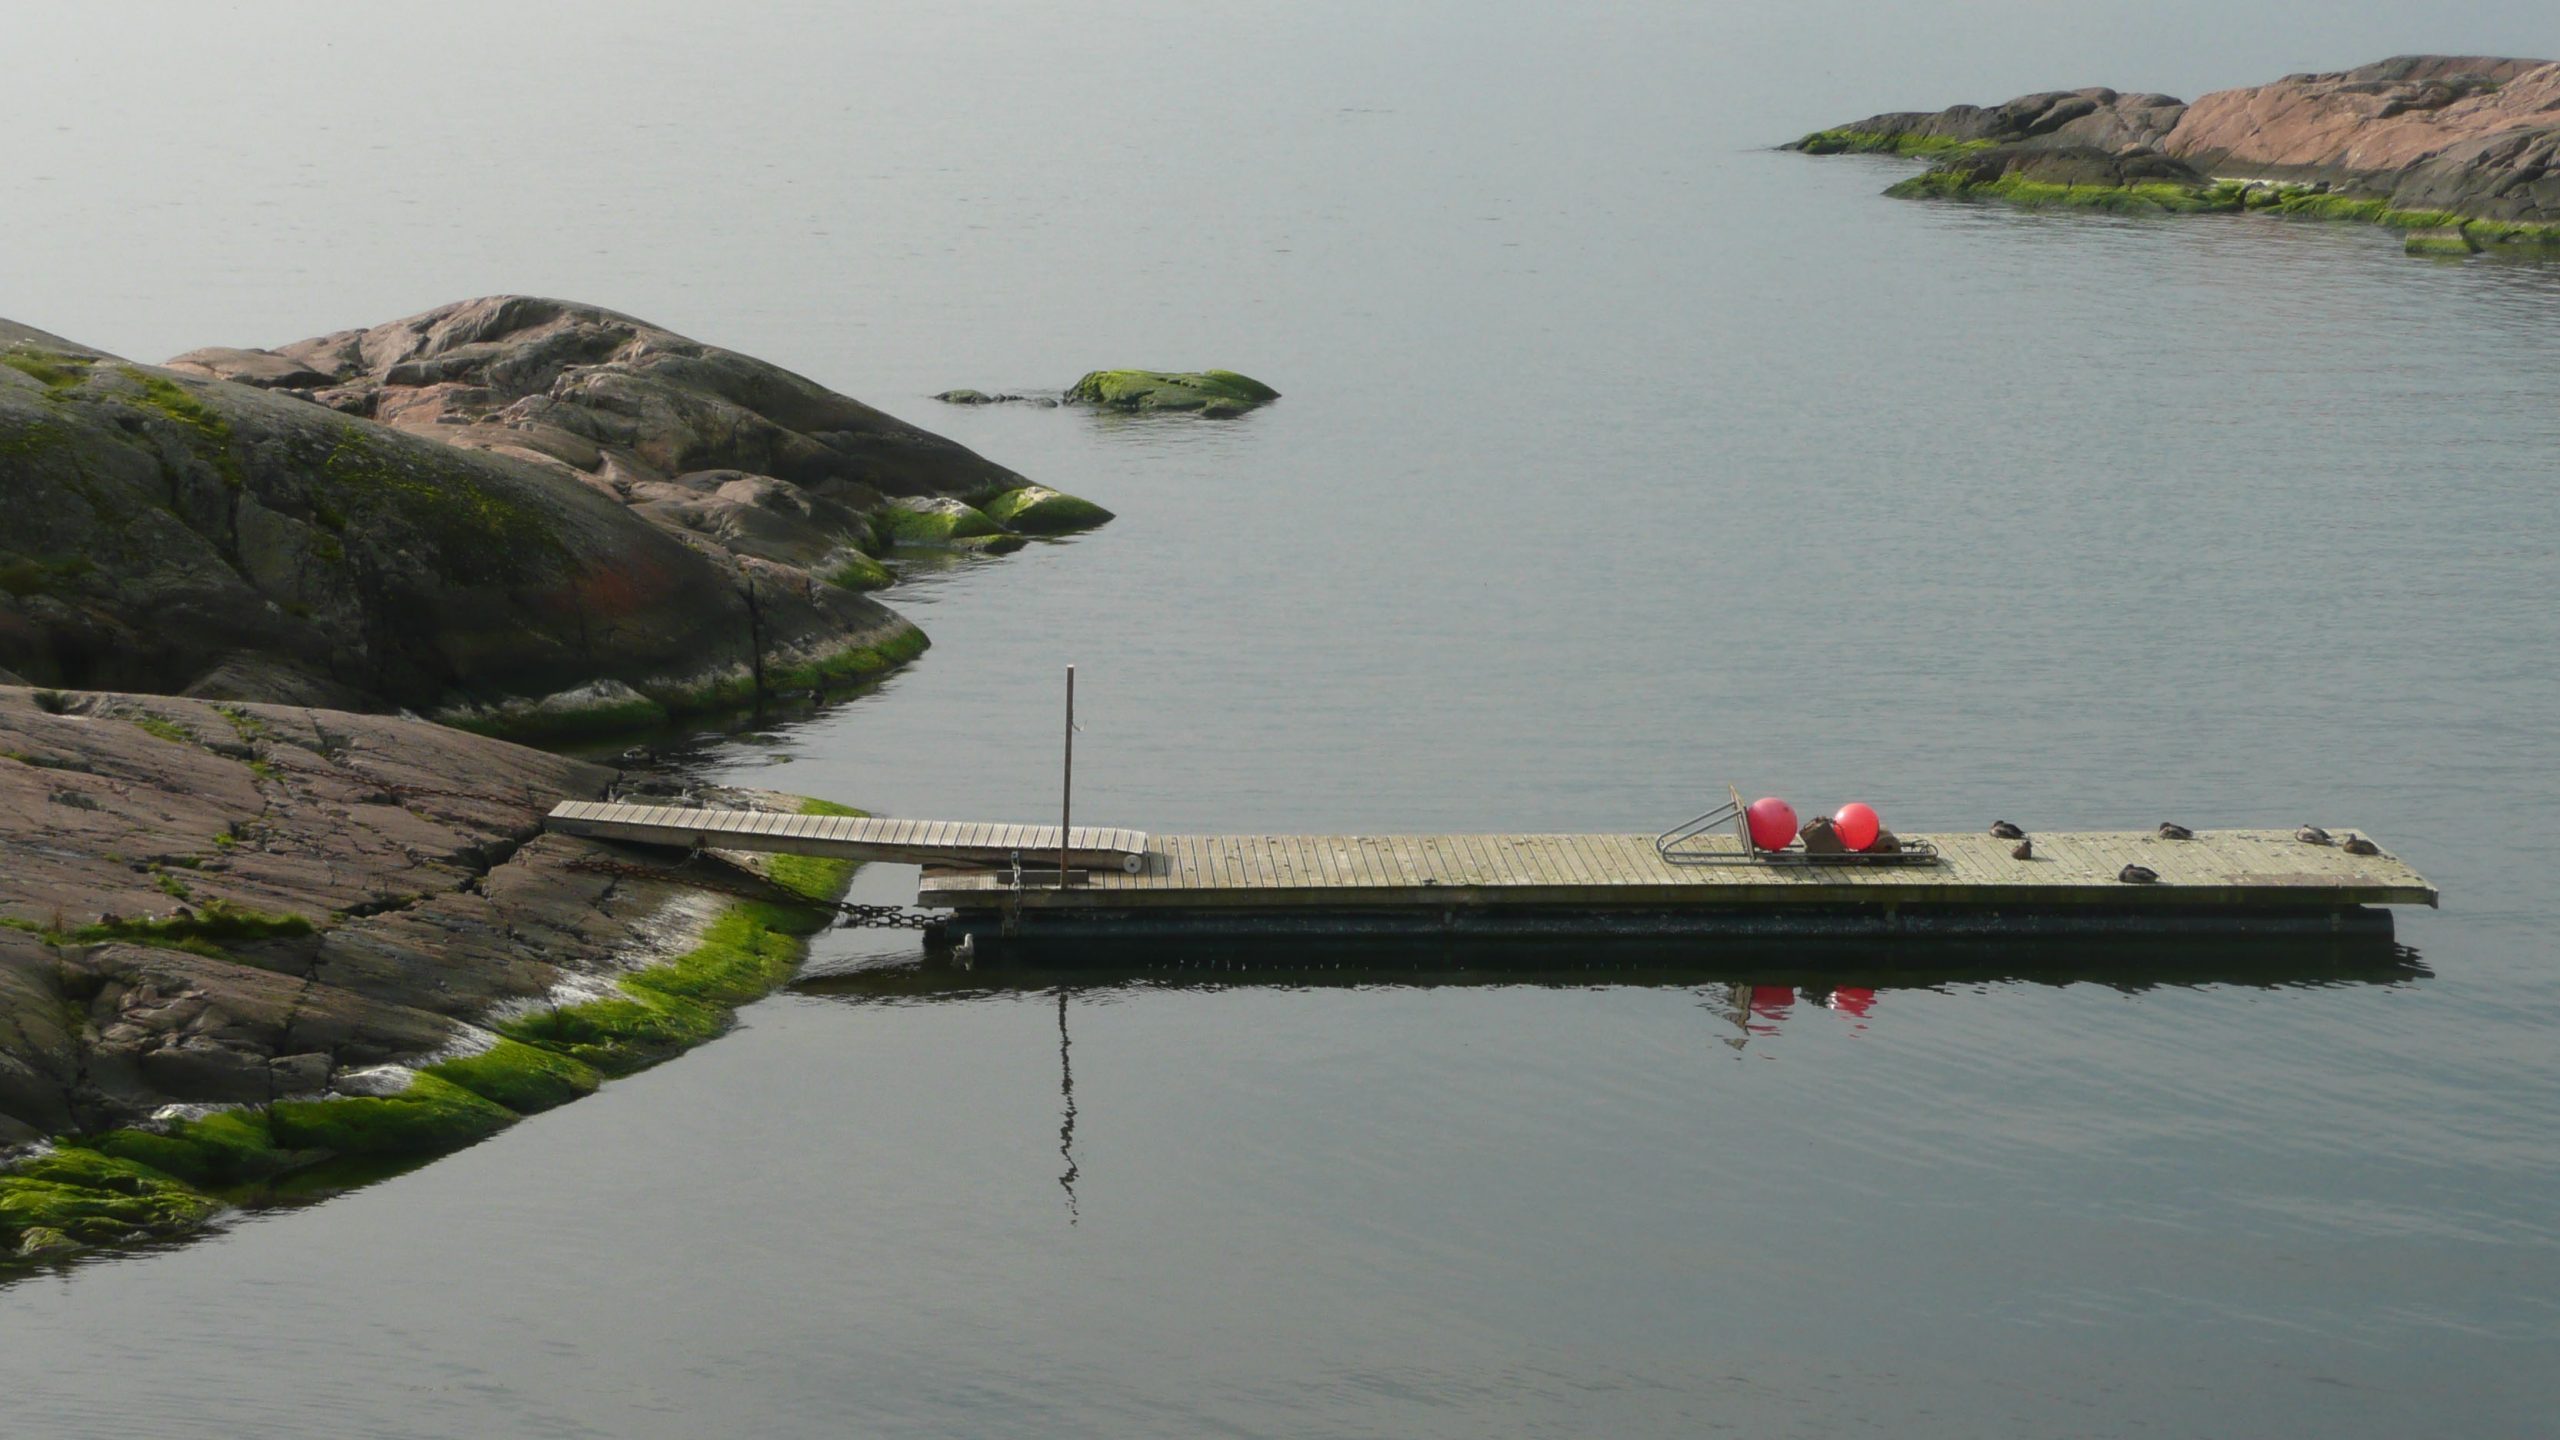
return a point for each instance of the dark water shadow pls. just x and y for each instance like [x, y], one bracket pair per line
[2129, 965]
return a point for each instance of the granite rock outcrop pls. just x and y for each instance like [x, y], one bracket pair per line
[228, 928]
[2422, 142]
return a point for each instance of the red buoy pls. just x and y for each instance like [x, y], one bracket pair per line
[1773, 823]
[1856, 825]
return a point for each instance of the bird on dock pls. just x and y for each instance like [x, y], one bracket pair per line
[2172, 830]
[2138, 875]
[2358, 845]
[2025, 849]
[2312, 835]
[2002, 829]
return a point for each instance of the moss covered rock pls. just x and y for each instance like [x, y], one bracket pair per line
[76, 1196]
[408, 1113]
[943, 523]
[2078, 177]
[213, 1151]
[1210, 392]
[519, 1077]
[855, 570]
[2447, 242]
[1039, 510]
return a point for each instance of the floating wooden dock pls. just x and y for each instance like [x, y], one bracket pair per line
[845, 837]
[1210, 887]
[999, 882]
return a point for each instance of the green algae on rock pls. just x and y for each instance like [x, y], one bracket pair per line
[1039, 510]
[524, 1078]
[2464, 145]
[214, 1151]
[854, 570]
[171, 1176]
[2448, 242]
[68, 1197]
[609, 709]
[746, 950]
[940, 522]
[1882, 142]
[1214, 393]
[394, 1111]
[252, 1008]
[2073, 176]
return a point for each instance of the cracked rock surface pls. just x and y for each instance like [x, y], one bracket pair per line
[348, 890]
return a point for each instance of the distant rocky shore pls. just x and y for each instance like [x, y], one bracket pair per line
[259, 929]
[2462, 152]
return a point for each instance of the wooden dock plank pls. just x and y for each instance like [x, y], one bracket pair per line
[2221, 868]
[974, 844]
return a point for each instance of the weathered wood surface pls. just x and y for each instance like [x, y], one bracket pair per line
[2220, 867]
[920, 842]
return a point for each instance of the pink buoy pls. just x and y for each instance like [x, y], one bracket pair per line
[1772, 821]
[1856, 825]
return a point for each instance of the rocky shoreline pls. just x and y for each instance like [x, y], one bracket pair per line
[264, 930]
[2462, 152]
[241, 944]
[528, 517]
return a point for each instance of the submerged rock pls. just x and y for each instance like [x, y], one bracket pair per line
[1214, 393]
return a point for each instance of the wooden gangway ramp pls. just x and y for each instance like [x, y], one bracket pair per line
[914, 842]
[1280, 885]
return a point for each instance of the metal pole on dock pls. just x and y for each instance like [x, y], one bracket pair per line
[1067, 781]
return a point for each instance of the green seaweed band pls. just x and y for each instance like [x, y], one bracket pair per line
[2224, 196]
[2152, 199]
[658, 706]
[1883, 142]
[167, 1180]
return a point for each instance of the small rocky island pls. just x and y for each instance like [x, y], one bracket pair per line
[1210, 394]
[263, 921]
[2460, 152]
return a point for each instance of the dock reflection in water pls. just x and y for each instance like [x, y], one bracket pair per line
[1774, 974]
[1751, 991]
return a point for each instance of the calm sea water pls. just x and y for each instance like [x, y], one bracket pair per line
[1620, 458]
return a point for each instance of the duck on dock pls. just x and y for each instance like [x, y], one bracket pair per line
[2138, 875]
[2312, 835]
[2358, 845]
[2025, 849]
[2172, 830]
[2002, 829]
